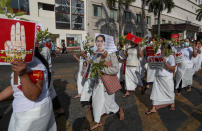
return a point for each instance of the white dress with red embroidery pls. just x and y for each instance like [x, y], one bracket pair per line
[32, 115]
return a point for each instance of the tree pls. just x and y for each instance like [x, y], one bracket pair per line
[5, 7]
[108, 25]
[42, 36]
[143, 17]
[199, 13]
[7, 10]
[122, 5]
[157, 6]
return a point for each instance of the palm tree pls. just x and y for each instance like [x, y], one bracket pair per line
[199, 13]
[122, 5]
[108, 25]
[143, 17]
[157, 6]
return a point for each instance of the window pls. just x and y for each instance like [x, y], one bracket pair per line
[127, 16]
[77, 15]
[138, 19]
[62, 6]
[48, 7]
[20, 6]
[113, 14]
[62, 14]
[156, 21]
[97, 10]
[163, 21]
[62, 21]
[169, 22]
[148, 20]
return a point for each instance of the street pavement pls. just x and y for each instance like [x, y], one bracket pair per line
[186, 117]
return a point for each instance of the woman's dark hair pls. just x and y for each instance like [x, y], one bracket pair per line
[45, 63]
[103, 37]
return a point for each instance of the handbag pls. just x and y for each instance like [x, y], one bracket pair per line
[111, 83]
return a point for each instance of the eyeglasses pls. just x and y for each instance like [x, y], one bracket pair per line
[99, 41]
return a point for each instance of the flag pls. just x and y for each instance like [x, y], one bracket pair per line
[133, 38]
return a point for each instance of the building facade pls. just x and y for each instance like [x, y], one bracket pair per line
[65, 19]
[102, 19]
[71, 20]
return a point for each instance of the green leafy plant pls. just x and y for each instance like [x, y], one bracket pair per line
[87, 46]
[167, 51]
[42, 35]
[143, 43]
[123, 41]
[96, 69]
[7, 10]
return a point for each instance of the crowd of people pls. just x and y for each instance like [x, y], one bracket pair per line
[33, 94]
[131, 64]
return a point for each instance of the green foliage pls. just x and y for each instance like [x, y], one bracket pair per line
[126, 3]
[20, 13]
[143, 43]
[123, 41]
[6, 9]
[42, 35]
[96, 69]
[86, 45]
[199, 13]
[166, 50]
[200, 40]
[157, 6]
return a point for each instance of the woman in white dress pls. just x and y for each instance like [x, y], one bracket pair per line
[185, 71]
[197, 60]
[79, 76]
[133, 76]
[150, 71]
[32, 105]
[162, 93]
[102, 102]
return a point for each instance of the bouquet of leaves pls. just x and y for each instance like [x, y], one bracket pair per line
[144, 42]
[177, 43]
[96, 69]
[87, 46]
[42, 36]
[167, 51]
[123, 41]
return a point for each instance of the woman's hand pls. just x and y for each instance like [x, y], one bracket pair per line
[104, 55]
[164, 60]
[19, 67]
[170, 68]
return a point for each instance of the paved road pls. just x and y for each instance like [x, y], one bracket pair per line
[186, 117]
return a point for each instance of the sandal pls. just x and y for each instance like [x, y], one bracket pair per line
[188, 89]
[77, 96]
[125, 95]
[96, 126]
[172, 109]
[149, 112]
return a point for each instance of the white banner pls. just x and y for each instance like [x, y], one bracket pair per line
[109, 45]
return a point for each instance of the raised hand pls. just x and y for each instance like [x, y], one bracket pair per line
[15, 48]
[19, 67]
